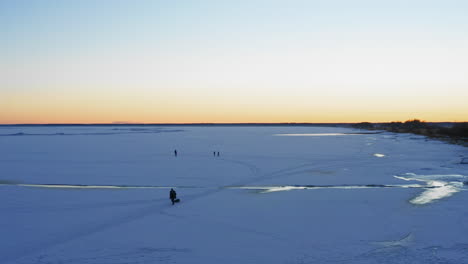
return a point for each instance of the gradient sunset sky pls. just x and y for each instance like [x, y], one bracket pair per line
[176, 61]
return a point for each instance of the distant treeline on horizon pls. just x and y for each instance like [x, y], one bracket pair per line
[188, 124]
[454, 130]
[352, 124]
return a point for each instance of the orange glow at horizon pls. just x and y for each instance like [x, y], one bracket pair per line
[147, 109]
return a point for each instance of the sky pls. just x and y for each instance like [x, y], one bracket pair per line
[219, 61]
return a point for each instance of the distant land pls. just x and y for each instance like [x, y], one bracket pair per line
[187, 124]
[441, 124]
[456, 132]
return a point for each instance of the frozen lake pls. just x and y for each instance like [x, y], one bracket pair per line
[100, 194]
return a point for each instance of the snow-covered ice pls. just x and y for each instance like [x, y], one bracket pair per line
[100, 194]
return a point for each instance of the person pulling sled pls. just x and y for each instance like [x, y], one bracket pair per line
[173, 196]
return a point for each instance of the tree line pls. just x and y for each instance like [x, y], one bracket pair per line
[458, 131]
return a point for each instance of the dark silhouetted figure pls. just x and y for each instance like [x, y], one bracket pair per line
[172, 196]
[218, 153]
[175, 153]
[214, 153]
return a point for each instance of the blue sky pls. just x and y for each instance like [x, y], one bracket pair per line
[234, 54]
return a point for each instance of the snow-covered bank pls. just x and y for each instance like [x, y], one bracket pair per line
[92, 197]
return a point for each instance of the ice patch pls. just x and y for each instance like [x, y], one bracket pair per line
[270, 189]
[426, 178]
[104, 133]
[436, 194]
[283, 188]
[437, 186]
[404, 242]
[62, 186]
[378, 155]
[78, 186]
[317, 134]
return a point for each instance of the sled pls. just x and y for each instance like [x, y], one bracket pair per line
[176, 200]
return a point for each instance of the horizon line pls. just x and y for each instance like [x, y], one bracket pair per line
[208, 123]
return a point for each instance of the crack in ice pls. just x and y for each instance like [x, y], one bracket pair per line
[436, 187]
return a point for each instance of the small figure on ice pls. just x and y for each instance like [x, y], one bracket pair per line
[175, 152]
[173, 196]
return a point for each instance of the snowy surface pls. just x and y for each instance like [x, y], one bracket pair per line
[274, 195]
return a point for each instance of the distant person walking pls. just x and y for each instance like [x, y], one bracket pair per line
[172, 196]
[218, 153]
[214, 153]
[175, 153]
